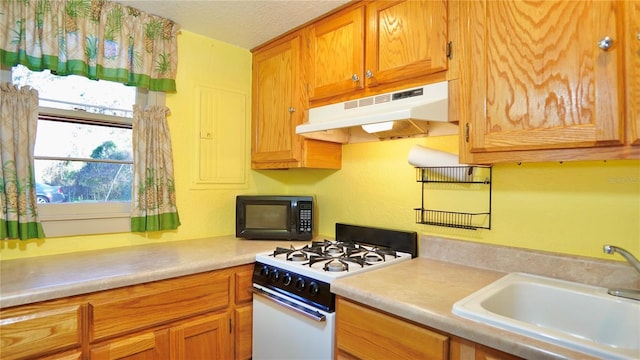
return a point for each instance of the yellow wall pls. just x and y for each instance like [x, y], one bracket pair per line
[203, 213]
[571, 207]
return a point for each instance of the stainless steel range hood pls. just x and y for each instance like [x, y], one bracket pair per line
[416, 111]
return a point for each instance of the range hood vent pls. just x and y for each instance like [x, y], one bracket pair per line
[418, 111]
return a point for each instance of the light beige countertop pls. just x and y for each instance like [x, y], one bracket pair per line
[423, 289]
[30, 280]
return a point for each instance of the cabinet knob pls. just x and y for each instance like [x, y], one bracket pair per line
[292, 109]
[605, 43]
[638, 36]
[368, 74]
[355, 77]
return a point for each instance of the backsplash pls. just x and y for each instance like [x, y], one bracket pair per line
[598, 272]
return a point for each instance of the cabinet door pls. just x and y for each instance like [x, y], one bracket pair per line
[243, 332]
[276, 109]
[243, 314]
[152, 345]
[468, 350]
[243, 282]
[363, 333]
[538, 79]
[206, 337]
[405, 39]
[336, 54]
[75, 354]
[632, 14]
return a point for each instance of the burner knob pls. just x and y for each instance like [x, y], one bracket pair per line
[274, 275]
[314, 288]
[264, 271]
[286, 279]
[300, 284]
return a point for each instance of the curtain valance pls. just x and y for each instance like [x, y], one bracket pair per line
[97, 39]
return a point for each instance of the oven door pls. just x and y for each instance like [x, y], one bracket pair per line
[284, 328]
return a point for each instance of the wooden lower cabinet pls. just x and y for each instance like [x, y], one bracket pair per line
[366, 333]
[243, 315]
[243, 332]
[52, 330]
[151, 345]
[462, 349]
[201, 316]
[205, 337]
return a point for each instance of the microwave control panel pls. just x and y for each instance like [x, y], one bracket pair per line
[305, 209]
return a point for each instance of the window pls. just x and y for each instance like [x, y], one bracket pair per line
[83, 153]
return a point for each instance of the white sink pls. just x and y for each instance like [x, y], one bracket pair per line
[573, 315]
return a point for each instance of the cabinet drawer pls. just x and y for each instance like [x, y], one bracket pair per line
[368, 334]
[136, 307]
[243, 284]
[38, 329]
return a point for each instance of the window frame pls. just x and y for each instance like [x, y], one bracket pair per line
[72, 219]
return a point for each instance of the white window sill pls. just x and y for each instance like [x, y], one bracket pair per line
[85, 219]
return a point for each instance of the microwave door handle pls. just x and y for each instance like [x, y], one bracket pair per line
[312, 314]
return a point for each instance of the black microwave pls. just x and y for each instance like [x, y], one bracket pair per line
[269, 217]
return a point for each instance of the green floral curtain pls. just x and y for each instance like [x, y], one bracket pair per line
[97, 39]
[153, 206]
[18, 123]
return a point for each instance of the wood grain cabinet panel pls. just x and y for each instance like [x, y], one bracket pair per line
[405, 40]
[152, 345]
[336, 54]
[462, 349]
[40, 329]
[206, 337]
[75, 354]
[279, 104]
[243, 314]
[544, 80]
[244, 282]
[145, 305]
[367, 333]
[386, 44]
[243, 332]
[632, 36]
[364, 333]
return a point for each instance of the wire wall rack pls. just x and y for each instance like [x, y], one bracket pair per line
[473, 174]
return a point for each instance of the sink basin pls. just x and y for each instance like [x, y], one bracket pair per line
[577, 316]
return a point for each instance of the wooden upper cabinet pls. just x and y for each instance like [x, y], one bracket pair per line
[278, 106]
[336, 50]
[405, 40]
[541, 75]
[632, 19]
[376, 44]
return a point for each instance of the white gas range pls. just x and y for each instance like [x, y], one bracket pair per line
[294, 310]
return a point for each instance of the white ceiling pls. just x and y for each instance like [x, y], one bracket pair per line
[244, 23]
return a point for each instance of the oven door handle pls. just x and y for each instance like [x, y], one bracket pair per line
[312, 314]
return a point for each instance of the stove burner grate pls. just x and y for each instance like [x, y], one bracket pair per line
[336, 255]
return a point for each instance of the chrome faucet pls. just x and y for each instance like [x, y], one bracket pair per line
[626, 293]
